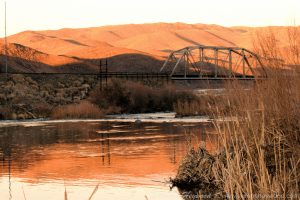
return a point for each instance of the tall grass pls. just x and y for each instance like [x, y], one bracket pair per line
[204, 105]
[259, 156]
[84, 109]
[262, 147]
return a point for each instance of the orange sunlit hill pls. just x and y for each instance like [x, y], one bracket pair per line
[138, 47]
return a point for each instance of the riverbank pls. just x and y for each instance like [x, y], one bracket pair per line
[132, 118]
[31, 97]
[70, 96]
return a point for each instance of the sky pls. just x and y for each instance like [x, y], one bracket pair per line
[56, 14]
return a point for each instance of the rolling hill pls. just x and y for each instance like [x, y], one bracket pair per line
[143, 45]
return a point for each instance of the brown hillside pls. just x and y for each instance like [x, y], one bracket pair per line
[25, 59]
[153, 40]
[149, 38]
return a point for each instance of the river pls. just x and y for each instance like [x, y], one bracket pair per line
[119, 160]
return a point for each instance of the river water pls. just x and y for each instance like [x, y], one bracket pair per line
[119, 160]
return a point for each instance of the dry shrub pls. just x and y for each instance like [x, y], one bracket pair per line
[132, 97]
[42, 109]
[82, 110]
[202, 105]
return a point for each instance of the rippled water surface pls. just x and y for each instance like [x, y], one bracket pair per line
[125, 160]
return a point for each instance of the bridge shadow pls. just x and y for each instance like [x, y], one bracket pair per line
[30, 65]
[132, 63]
[209, 69]
[66, 40]
[187, 39]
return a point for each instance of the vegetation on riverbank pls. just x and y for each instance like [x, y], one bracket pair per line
[26, 97]
[29, 97]
[258, 155]
[131, 97]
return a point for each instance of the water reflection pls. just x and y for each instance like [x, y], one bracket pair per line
[128, 160]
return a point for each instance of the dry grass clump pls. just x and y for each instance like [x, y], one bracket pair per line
[259, 156]
[190, 108]
[84, 110]
[196, 171]
[201, 105]
[130, 97]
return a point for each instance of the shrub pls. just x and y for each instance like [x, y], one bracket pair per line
[82, 110]
[42, 109]
[131, 97]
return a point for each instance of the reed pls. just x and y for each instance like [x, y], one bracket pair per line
[203, 105]
[259, 156]
[83, 110]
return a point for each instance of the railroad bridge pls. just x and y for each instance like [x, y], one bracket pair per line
[192, 63]
[213, 63]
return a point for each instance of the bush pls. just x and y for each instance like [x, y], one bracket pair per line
[42, 110]
[131, 97]
[82, 110]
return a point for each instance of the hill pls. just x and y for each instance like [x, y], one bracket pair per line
[149, 41]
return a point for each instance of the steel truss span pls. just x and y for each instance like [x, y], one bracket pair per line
[213, 62]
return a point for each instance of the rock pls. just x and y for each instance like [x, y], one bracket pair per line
[54, 91]
[14, 116]
[18, 78]
[68, 100]
[21, 116]
[77, 83]
[86, 86]
[2, 97]
[76, 99]
[44, 93]
[60, 85]
[60, 94]
[9, 84]
[30, 81]
[11, 96]
[47, 87]
[83, 94]
[81, 79]
[35, 87]
[58, 100]
[138, 121]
